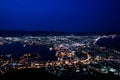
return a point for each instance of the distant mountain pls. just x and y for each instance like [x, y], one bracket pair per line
[111, 41]
[5, 33]
[30, 33]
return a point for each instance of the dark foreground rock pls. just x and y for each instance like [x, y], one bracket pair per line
[41, 74]
[29, 74]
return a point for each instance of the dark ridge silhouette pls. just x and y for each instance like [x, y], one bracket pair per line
[0, 75]
[29, 74]
[109, 42]
[41, 74]
[19, 33]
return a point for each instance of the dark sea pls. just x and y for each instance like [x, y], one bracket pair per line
[17, 50]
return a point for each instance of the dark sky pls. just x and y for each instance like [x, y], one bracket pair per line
[60, 15]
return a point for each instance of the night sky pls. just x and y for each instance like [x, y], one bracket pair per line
[60, 15]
